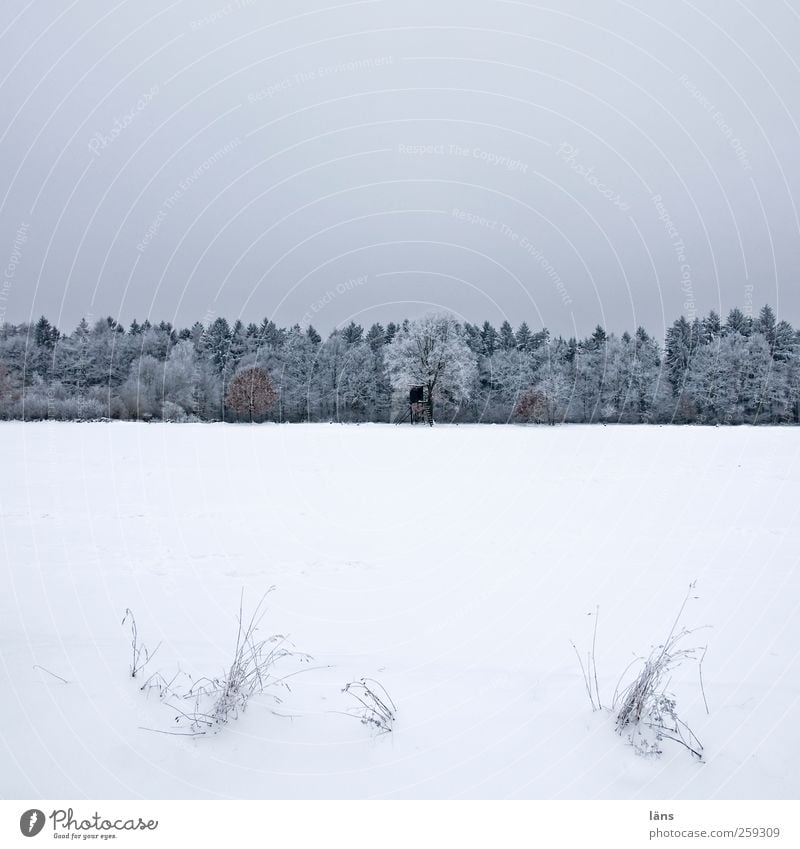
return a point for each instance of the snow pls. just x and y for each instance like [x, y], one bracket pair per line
[453, 564]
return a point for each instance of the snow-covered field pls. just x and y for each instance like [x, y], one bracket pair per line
[453, 564]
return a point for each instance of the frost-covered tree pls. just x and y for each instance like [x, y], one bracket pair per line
[766, 324]
[353, 333]
[376, 336]
[709, 371]
[547, 401]
[216, 343]
[650, 390]
[507, 339]
[297, 382]
[503, 379]
[786, 342]
[181, 381]
[141, 393]
[332, 359]
[737, 322]
[432, 352]
[489, 339]
[361, 390]
[9, 395]
[523, 337]
[681, 343]
[711, 327]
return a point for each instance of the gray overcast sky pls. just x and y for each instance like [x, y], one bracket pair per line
[568, 163]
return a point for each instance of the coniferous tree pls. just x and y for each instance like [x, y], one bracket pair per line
[507, 339]
[737, 322]
[376, 337]
[708, 372]
[489, 339]
[523, 337]
[766, 325]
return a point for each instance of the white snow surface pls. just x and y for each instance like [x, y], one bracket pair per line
[453, 564]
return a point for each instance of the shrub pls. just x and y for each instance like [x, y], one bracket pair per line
[172, 412]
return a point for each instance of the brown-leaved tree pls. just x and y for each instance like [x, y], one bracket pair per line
[251, 393]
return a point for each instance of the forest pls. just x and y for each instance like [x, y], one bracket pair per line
[743, 369]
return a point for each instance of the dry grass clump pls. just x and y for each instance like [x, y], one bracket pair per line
[646, 709]
[589, 671]
[375, 707]
[140, 656]
[206, 705]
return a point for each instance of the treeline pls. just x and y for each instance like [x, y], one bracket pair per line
[709, 371]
